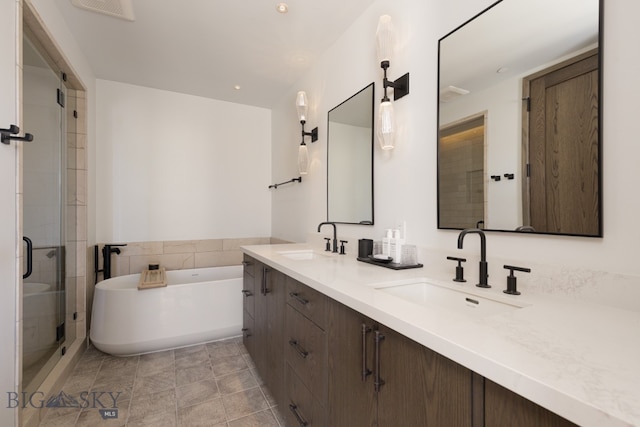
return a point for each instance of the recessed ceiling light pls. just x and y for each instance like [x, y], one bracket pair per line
[282, 7]
[237, 87]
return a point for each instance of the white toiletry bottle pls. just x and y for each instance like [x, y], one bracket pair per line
[386, 240]
[396, 246]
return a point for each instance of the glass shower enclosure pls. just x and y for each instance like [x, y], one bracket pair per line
[44, 219]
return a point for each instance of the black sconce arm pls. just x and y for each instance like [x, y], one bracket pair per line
[400, 86]
[313, 134]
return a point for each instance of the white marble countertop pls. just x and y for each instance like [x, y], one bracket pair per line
[579, 360]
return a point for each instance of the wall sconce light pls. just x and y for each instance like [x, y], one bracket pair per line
[385, 42]
[302, 106]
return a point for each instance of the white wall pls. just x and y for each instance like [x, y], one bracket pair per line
[405, 179]
[351, 193]
[171, 166]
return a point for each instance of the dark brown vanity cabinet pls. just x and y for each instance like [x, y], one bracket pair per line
[264, 338]
[380, 377]
[505, 408]
[328, 365]
[305, 356]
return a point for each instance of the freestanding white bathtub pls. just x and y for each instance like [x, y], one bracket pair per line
[196, 306]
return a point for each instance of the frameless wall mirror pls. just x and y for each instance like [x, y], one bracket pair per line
[350, 160]
[519, 118]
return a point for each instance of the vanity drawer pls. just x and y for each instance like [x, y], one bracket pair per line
[249, 264]
[248, 338]
[306, 352]
[311, 303]
[248, 293]
[300, 408]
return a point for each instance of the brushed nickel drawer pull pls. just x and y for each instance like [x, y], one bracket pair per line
[301, 351]
[293, 408]
[298, 298]
[247, 293]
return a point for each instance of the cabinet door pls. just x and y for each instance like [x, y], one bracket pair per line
[421, 388]
[274, 337]
[351, 396]
[260, 319]
[506, 408]
[248, 305]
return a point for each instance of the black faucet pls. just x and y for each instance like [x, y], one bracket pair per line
[107, 250]
[484, 267]
[335, 239]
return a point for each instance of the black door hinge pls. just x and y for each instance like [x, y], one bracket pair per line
[528, 101]
[528, 170]
[60, 332]
[60, 98]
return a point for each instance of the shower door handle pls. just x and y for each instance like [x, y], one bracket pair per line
[29, 257]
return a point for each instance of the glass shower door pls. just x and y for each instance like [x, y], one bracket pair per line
[43, 219]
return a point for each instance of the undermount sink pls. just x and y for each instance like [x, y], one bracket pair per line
[456, 301]
[302, 254]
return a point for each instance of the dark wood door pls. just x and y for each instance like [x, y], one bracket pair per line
[352, 400]
[564, 149]
[505, 408]
[421, 388]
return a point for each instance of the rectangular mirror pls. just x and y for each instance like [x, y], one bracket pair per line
[350, 160]
[519, 119]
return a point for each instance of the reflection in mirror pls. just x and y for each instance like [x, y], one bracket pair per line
[350, 160]
[519, 116]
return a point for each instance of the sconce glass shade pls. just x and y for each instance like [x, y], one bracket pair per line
[302, 105]
[385, 38]
[386, 125]
[303, 159]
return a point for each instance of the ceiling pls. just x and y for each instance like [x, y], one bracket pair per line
[206, 47]
[515, 37]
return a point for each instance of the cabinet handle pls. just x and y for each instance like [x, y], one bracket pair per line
[245, 331]
[293, 408]
[264, 290]
[247, 263]
[301, 351]
[298, 298]
[365, 371]
[247, 293]
[378, 382]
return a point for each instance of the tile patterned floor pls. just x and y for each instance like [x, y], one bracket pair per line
[212, 384]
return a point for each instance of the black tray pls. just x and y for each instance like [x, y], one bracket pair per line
[391, 265]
